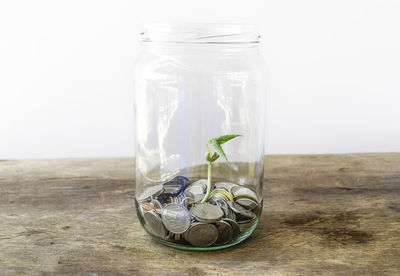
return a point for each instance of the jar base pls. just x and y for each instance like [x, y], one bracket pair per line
[243, 236]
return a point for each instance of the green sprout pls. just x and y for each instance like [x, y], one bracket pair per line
[216, 143]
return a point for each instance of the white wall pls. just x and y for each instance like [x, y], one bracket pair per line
[66, 88]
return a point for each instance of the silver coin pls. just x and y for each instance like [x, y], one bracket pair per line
[249, 204]
[179, 199]
[174, 237]
[235, 227]
[218, 200]
[187, 197]
[231, 214]
[140, 210]
[155, 225]
[238, 191]
[157, 205]
[172, 189]
[198, 188]
[225, 232]
[199, 197]
[150, 192]
[176, 185]
[246, 225]
[201, 234]
[244, 221]
[202, 183]
[239, 209]
[206, 212]
[176, 218]
[225, 185]
[170, 236]
[175, 199]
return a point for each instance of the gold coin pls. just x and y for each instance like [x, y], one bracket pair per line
[227, 194]
[244, 196]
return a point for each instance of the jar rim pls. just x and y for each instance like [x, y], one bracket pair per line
[201, 33]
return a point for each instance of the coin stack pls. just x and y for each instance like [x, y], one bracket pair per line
[173, 211]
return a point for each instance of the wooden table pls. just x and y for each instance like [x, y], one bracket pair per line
[323, 214]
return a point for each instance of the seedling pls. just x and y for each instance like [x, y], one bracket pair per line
[216, 143]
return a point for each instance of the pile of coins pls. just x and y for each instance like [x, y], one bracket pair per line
[173, 211]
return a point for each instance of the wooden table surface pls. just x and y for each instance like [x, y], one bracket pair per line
[323, 214]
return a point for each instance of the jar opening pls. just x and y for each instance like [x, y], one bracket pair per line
[201, 33]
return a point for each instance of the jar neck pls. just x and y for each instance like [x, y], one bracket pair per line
[197, 48]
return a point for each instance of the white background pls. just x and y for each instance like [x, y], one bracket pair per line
[66, 81]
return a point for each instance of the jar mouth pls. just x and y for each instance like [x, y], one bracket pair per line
[201, 33]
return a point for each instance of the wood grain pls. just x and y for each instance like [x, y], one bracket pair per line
[323, 214]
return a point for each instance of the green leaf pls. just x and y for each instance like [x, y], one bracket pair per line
[225, 138]
[216, 142]
[219, 150]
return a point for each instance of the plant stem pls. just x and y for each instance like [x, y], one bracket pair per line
[216, 142]
[208, 183]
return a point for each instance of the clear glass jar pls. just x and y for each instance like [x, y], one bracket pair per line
[193, 83]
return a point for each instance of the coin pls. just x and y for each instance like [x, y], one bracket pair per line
[242, 191]
[157, 205]
[224, 192]
[148, 207]
[176, 218]
[246, 225]
[231, 214]
[183, 198]
[199, 197]
[225, 232]
[170, 236]
[249, 204]
[139, 209]
[199, 185]
[150, 192]
[154, 223]
[225, 185]
[175, 199]
[235, 227]
[219, 196]
[206, 212]
[164, 198]
[201, 234]
[239, 209]
[242, 220]
[245, 196]
[176, 185]
[198, 189]
[187, 197]
[220, 201]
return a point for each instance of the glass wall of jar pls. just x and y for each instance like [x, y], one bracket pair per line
[199, 104]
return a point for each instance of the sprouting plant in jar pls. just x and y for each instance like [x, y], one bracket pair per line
[216, 143]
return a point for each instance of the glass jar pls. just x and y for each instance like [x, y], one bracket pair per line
[199, 104]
